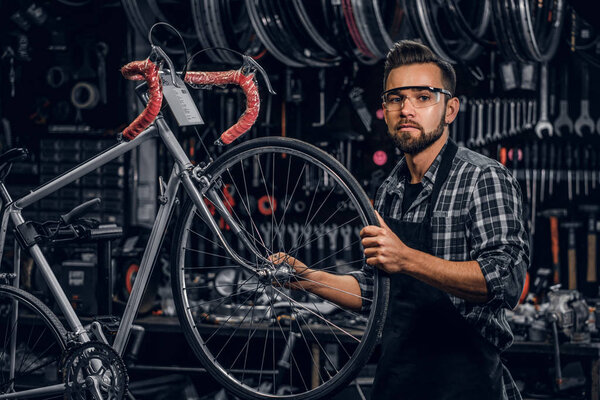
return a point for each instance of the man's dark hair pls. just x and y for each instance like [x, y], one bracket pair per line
[407, 52]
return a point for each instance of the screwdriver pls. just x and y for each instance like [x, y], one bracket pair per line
[534, 165]
[551, 167]
[586, 171]
[527, 166]
[569, 157]
[543, 159]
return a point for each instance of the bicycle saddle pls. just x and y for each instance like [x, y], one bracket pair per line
[10, 156]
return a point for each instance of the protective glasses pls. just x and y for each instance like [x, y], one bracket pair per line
[418, 96]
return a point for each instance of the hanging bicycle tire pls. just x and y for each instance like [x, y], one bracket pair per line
[261, 340]
[33, 341]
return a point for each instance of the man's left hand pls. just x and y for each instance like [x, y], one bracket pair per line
[383, 248]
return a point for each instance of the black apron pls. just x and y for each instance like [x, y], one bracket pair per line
[429, 350]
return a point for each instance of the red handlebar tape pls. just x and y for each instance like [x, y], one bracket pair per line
[144, 71]
[248, 85]
[147, 70]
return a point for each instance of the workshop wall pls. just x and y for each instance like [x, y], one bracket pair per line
[528, 88]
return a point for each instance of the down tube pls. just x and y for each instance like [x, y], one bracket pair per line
[148, 260]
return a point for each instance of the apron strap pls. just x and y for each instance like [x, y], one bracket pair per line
[441, 176]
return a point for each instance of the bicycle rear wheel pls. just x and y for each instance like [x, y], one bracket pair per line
[32, 341]
[261, 340]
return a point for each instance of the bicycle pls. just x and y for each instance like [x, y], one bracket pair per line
[254, 335]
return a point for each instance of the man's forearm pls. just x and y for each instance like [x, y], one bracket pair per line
[463, 279]
[340, 289]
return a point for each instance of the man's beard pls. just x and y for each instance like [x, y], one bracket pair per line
[414, 145]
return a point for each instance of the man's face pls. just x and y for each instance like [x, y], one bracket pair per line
[415, 129]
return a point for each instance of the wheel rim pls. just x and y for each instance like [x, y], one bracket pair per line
[257, 322]
[38, 345]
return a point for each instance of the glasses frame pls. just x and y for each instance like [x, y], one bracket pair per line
[430, 88]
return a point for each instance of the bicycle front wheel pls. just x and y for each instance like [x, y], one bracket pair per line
[260, 339]
[32, 340]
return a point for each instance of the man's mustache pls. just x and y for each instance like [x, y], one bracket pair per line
[408, 122]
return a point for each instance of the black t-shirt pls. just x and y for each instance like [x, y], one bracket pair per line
[411, 191]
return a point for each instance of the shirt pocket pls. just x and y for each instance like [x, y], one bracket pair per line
[449, 236]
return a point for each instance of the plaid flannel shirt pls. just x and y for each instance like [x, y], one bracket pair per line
[478, 216]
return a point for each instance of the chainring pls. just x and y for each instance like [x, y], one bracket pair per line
[93, 370]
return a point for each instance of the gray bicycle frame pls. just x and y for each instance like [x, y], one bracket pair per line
[182, 173]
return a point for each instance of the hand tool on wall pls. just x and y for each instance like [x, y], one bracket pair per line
[472, 124]
[489, 119]
[572, 226]
[332, 233]
[553, 216]
[527, 167]
[592, 211]
[586, 169]
[569, 165]
[497, 136]
[346, 232]
[479, 141]
[504, 106]
[543, 165]
[543, 125]
[551, 167]
[320, 232]
[305, 241]
[584, 125]
[577, 167]
[512, 131]
[563, 124]
[461, 120]
[535, 151]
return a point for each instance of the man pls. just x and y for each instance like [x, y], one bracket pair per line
[452, 239]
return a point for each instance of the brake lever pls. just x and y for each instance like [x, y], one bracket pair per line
[254, 64]
[157, 50]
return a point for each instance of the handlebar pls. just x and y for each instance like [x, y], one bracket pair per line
[148, 71]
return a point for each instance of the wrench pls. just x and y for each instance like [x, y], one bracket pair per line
[543, 124]
[584, 120]
[504, 131]
[473, 119]
[489, 108]
[266, 231]
[518, 122]
[497, 136]
[294, 231]
[320, 232]
[563, 124]
[512, 130]
[461, 121]
[332, 232]
[346, 232]
[479, 141]
[306, 233]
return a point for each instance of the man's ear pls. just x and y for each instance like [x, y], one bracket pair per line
[452, 107]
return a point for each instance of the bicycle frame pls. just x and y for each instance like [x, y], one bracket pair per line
[183, 173]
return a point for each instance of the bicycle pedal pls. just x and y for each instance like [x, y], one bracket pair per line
[110, 324]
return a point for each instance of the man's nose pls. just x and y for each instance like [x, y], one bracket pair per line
[407, 109]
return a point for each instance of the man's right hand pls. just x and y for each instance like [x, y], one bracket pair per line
[300, 270]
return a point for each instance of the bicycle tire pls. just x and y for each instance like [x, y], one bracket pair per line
[40, 341]
[192, 286]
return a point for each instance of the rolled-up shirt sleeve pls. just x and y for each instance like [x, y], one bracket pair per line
[364, 277]
[498, 239]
